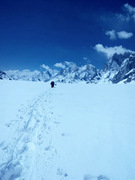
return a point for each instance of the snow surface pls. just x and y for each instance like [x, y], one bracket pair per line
[70, 132]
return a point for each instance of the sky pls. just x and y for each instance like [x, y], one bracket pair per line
[36, 32]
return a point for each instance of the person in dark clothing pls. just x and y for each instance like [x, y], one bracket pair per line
[52, 84]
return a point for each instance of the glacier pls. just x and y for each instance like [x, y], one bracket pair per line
[74, 131]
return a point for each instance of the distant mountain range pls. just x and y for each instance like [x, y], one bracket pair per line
[119, 68]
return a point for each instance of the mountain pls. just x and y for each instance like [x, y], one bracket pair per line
[73, 73]
[28, 75]
[3, 75]
[22, 75]
[126, 71]
[121, 67]
[70, 73]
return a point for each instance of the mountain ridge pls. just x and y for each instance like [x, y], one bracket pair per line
[119, 68]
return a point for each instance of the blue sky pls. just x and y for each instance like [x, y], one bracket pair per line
[36, 32]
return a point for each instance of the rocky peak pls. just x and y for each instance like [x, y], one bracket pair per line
[3, 75]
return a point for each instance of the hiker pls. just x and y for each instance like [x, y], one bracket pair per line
[52, 84]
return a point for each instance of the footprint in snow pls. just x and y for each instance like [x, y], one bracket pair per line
[100, 177]
[61, 173]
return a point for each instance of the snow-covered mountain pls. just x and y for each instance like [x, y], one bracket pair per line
[3, 75]
[28, 75]
[126, 71]
[73, 73]
[23, 75]
[70, 73]
[119, 68]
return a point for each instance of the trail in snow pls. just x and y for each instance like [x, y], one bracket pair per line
[32, 142]
[74, 131]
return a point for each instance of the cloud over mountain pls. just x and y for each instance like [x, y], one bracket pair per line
[45, 67]
[110, 51]
[60, 65]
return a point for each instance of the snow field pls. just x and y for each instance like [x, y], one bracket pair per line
[73, 131]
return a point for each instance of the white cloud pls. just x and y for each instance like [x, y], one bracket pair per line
[64, 65]
[110, 51]
[130, 13]
[121, 35]
[124, 35]
[111, 34]
[60, 65]
[122, 17]
[85, 58]
[45, 67]
[130, 9]
[69, 63]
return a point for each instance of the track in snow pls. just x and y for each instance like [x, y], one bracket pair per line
[31, 150]
[71, 132]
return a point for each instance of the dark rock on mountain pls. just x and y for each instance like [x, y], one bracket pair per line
[3, 75]
[118, 68]
[126, 71]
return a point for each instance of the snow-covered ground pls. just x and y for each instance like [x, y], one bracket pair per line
[70, 132]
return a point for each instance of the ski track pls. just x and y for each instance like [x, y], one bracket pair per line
[30, 152]
[33, 133]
